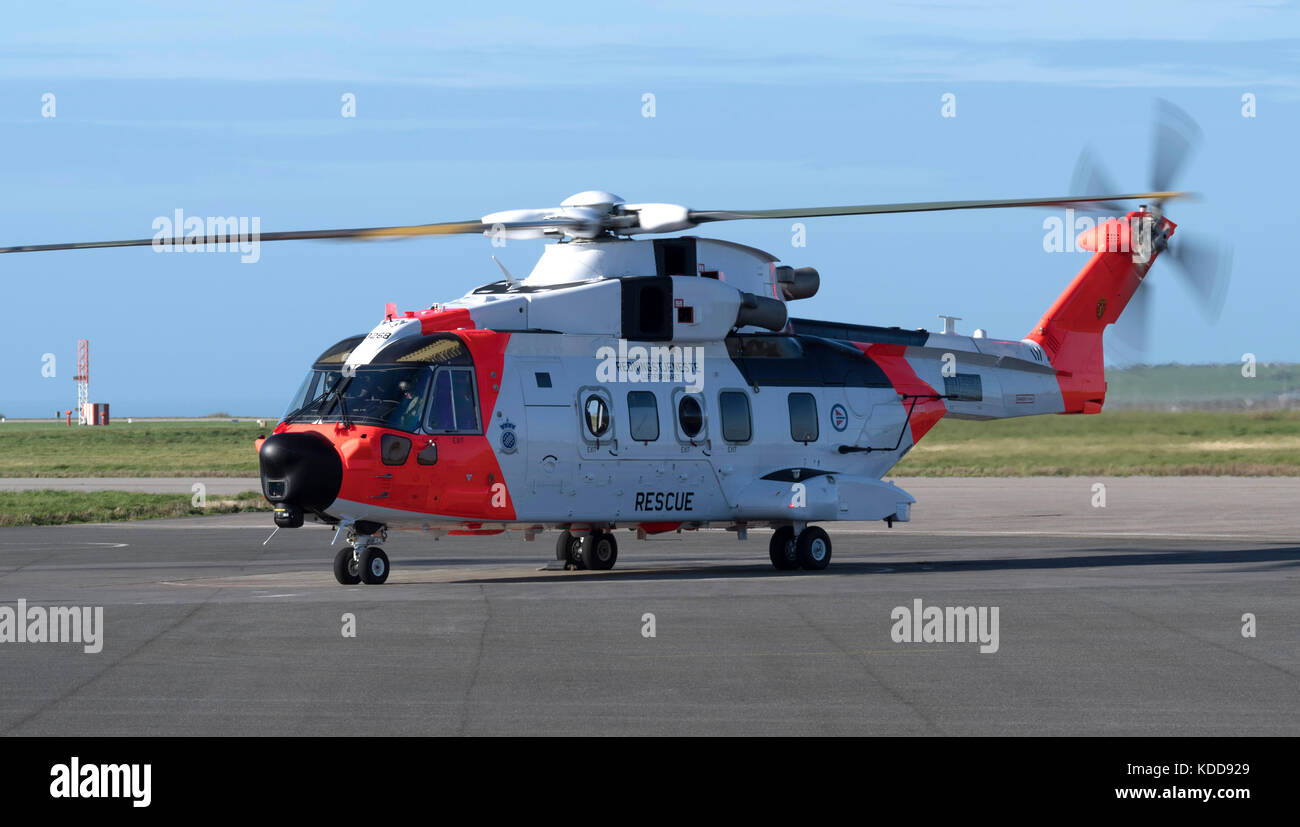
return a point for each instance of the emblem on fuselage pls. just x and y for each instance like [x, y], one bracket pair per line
[509, 440]
[1101, 307]
[839, 417]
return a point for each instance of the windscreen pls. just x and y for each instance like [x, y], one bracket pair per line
[389, 396]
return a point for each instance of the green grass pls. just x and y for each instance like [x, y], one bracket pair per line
[1201, 386]
[1116, 443]
[46, 507]
[139, 449]
[1124, 443]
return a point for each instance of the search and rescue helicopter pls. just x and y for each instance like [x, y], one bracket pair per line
[660, 384]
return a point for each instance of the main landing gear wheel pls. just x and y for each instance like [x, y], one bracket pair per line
[599, 551]
[346, 568]
[781, 549]
[374, 566]
[813, 548]
[568, 549]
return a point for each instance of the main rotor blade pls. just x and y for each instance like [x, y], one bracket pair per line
[704, 216]
[359, 234]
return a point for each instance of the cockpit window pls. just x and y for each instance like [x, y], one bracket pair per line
[338, 354]
[389, 396]
[454, 407]
[315, 385]
[303, 393]
[418, 383]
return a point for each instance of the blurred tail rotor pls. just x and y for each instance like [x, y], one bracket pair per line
[1133, 330]
[1089, 176]
[1204, 265]
[1175, 137]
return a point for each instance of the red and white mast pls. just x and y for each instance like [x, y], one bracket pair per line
[83, 381]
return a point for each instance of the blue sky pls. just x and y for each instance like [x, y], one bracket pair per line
[235, 110]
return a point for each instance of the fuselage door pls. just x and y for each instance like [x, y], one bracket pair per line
[548, 443]
[542, 382]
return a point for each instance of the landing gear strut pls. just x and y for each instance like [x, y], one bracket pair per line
[809, 549]
[363, 561]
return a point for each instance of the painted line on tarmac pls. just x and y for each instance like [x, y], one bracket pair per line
[61, 545]
[1145, 535]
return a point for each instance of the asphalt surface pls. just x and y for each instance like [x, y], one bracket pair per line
[147, 485]
[1118, 620]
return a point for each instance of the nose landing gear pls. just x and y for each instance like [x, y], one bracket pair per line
[363, 561]
[347, 569]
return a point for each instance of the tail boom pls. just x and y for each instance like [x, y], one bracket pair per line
[1070, 332]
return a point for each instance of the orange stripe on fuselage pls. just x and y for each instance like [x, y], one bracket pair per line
[893, 361]
[461, 484]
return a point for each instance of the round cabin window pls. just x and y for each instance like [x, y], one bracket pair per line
[597, 416]
[690, 416]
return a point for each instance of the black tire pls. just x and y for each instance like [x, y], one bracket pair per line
[346, 570]
[599, 551]
[570, 550]
[374, 566]
[781, 550]
[813, 548]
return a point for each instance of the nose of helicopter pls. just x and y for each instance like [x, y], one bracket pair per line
[301, 471]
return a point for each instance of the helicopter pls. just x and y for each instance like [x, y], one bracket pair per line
[660, 384]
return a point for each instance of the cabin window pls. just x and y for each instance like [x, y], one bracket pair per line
[596, 416]
[737, 425]
[803, 417]
[643, 415]
[690, 416]
[454, 406]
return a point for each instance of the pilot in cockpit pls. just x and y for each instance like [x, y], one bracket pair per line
[408, 406]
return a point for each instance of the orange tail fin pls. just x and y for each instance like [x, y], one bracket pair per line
[1070, 332]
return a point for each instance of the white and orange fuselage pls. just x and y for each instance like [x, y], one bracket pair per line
[623, 393]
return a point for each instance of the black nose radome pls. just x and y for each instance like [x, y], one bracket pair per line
[300, 469]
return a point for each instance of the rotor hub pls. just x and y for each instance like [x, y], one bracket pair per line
[593, 198]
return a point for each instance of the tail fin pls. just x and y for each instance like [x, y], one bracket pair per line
[1070, 332]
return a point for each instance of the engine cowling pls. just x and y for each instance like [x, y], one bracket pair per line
[800, 283]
